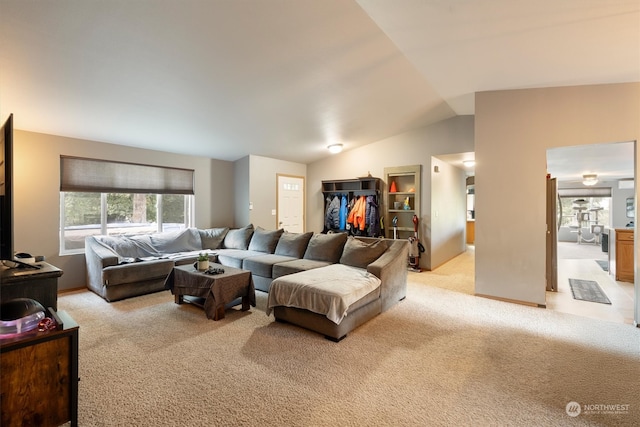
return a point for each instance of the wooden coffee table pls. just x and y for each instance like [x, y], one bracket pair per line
[217, 290]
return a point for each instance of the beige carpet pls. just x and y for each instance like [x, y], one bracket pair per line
[438, 358]
[457, 274]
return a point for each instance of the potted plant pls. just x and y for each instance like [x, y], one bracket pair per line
[203, 261]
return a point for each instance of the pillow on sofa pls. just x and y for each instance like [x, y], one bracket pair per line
[360, 254]
[326, 247]
[293, 244]
[265, 241]
[213, 237]
[238, 238]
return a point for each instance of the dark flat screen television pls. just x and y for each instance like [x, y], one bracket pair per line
[6, 190]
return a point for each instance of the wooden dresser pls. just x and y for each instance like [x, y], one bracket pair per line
[622, 254]
[39, 377]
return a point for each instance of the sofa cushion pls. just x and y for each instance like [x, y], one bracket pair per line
[235, 257]
[238, 238]
[326, 247]
[295, 266]
[330, 290]
[265, 241]
[262, 265]
[293, 244]
[212, 237]
[357, 253]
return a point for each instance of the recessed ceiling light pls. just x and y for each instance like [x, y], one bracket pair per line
[335, 148]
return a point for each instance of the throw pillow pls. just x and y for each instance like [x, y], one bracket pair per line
[293, 244]
[238, 238]
[213, 237]
[326, 247]
[360, 254]
[265, 241]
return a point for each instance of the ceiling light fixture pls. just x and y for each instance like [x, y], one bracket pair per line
[590, 179]
[469, 163]
[335, 148]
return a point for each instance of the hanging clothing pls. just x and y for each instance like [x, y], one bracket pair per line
[332, 214]
[373, 216]
[343, 212]
[357, 215]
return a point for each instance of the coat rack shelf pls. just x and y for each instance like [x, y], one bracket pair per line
[352, 189]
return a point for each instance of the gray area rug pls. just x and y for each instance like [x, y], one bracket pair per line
[588, 290]
[604, 264]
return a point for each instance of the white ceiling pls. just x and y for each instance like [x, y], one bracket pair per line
[286, 78]
[611, 162]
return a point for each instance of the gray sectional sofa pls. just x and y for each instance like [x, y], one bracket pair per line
[120, 267]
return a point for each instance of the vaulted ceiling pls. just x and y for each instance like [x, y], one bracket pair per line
[286, 78]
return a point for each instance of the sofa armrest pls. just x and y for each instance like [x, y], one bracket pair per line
[97, 257]
[391, 269]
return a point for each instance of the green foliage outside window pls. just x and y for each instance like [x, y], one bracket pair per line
[85, 208]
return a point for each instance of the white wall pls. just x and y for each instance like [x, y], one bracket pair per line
[455, 135]
[241, 185]
[513, 130]
[37, 192]
[262, 190]
[619, 198]
[448, 212]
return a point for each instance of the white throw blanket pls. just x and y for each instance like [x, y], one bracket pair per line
[328, 290]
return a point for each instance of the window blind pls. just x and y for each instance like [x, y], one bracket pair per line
[585, 192]
[105, 176]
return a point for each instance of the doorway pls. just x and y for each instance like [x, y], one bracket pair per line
[290, 196]
[591, 199]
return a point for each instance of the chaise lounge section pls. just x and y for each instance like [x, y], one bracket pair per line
[370, 278]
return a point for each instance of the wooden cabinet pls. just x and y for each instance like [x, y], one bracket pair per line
[40, 285]
[624, 260]
[39, 379]
[402, 199]
[471, 232]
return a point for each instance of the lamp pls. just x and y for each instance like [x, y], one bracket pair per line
[590, 179]
[335, 148]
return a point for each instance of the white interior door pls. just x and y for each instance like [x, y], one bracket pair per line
[290, 208]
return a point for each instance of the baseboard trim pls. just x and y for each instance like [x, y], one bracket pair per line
[513, 301]
[70, 290]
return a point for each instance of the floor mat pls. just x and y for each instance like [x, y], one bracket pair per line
[588, 290]
[604, 264]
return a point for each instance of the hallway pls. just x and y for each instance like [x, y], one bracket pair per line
[574, 261]
[578, 262]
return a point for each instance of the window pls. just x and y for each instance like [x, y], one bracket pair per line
[114, 198]
[584, 207]
[595, 211]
